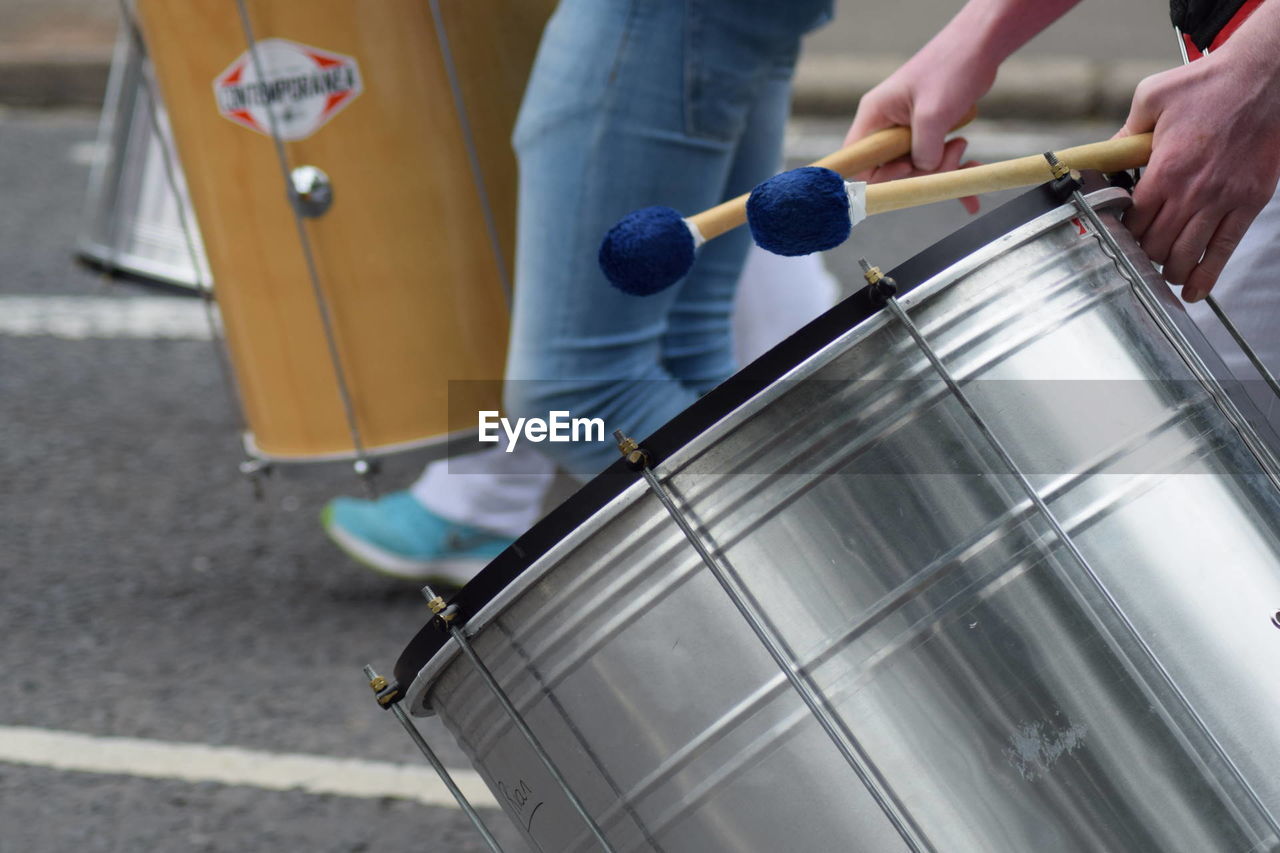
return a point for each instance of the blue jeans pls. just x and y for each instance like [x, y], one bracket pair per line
[631, 103]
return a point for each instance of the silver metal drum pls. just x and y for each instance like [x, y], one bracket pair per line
[133, 217]
[986, 684]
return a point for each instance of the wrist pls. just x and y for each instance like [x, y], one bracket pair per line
[1255, 49]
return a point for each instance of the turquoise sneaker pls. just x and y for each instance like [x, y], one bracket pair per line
[398, 536]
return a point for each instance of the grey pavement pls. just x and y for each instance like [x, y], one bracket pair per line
[45, 811]
[146, 594]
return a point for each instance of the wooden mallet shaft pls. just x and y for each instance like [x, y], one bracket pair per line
[873, 150]
[1113, 155]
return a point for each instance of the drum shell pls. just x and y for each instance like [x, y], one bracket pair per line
[1006, 702]
[405, 257]
[133, 219]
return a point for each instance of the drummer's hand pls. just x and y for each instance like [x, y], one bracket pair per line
[929, 100]
[1214, 164]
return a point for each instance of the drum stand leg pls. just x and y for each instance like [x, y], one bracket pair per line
[818, 704]
[1153, 679]
[446, 614]
[389, 697]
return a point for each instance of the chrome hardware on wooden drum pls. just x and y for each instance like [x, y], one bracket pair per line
[1005, 532]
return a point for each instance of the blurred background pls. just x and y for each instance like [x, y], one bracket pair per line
[148, 595]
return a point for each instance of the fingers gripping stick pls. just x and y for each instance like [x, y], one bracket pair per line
[811, 210]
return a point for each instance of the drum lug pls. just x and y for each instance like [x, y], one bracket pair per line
[880, 288]
[386, 693]
[1065, 182]
[637, 457]
[443, 611]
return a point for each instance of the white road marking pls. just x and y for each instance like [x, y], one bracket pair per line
[88, 317]
[274, 771]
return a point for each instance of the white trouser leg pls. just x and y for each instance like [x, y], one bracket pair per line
[491, 489]
[776, 296]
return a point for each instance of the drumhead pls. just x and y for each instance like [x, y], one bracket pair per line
[508, 566]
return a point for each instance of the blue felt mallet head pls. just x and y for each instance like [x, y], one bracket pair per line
[799, 212]
[647, 251]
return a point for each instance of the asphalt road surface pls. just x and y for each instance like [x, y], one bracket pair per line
[147, 595]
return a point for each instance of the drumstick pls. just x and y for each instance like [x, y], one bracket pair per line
[652, 248]
[812, 209]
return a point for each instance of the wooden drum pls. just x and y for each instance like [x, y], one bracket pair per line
[411, 126]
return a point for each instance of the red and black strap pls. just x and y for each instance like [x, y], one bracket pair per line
[1207, 24]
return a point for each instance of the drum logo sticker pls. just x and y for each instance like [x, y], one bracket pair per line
[304, 87]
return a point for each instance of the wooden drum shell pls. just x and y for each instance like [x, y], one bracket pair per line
[405, 256]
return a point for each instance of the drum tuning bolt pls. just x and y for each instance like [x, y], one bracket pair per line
[441, 608]
[637, 457]
[385, 693]
[879, 286]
